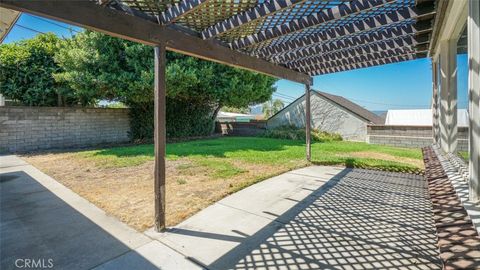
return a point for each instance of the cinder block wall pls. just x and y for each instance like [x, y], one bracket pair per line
[410, 136]
[24, 129]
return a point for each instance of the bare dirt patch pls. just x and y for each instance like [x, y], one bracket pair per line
[127, 192]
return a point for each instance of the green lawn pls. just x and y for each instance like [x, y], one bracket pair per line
[464, 155]
[213, 152]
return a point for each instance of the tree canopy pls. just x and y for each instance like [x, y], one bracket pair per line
[99, 66]
[26, 72]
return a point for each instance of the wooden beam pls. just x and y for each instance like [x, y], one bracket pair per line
[92, 16]
[308, 122]
[379, 40]
[180, 9]
[374, 48]
[160, 136]
[343, 10]
[306, 65]
[373, 27]
[268, 8]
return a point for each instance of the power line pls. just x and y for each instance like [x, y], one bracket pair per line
[359, 100]
[287, 99]
[57, 24]
[283, 95]
[377, 103]
[284, 98]
[28, 28]
[290, 98]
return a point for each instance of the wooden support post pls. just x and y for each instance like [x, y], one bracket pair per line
[307, 122]
[474, 98]
[160, 137]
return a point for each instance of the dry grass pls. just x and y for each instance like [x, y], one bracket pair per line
[127, 192]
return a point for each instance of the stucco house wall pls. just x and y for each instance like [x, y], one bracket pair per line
[326, 116]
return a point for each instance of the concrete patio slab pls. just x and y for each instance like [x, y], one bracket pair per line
[289, 189]
[208, 235]
[11, 161]
[153, 255]
[42, 220]
[315, 218]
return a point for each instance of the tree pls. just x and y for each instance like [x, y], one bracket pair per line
[271, 107]
[98, 66]
[26, 69]
[103, 67]
[218, 85]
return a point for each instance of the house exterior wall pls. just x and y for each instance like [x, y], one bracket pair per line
[326, 116]
[24, 129]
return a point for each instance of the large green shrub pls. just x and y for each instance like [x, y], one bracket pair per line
[183, 119]
[187, 118]
[141, 122]
[295, 133]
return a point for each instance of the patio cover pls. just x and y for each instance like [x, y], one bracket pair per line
[290, 39]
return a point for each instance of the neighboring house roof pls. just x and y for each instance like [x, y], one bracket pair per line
[8, 18]
[352, 107]
[237, 117]
[420, 117]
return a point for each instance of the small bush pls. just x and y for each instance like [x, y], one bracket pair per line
[295, 133]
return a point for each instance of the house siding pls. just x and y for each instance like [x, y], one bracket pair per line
[326, 116]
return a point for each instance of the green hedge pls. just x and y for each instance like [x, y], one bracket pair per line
[184, 119]
[295, 133]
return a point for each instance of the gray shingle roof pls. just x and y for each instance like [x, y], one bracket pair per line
[352, 107]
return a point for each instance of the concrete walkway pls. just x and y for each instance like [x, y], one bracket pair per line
[315, 218]
[45, 223]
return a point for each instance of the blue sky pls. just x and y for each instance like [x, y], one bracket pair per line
[405, 85]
